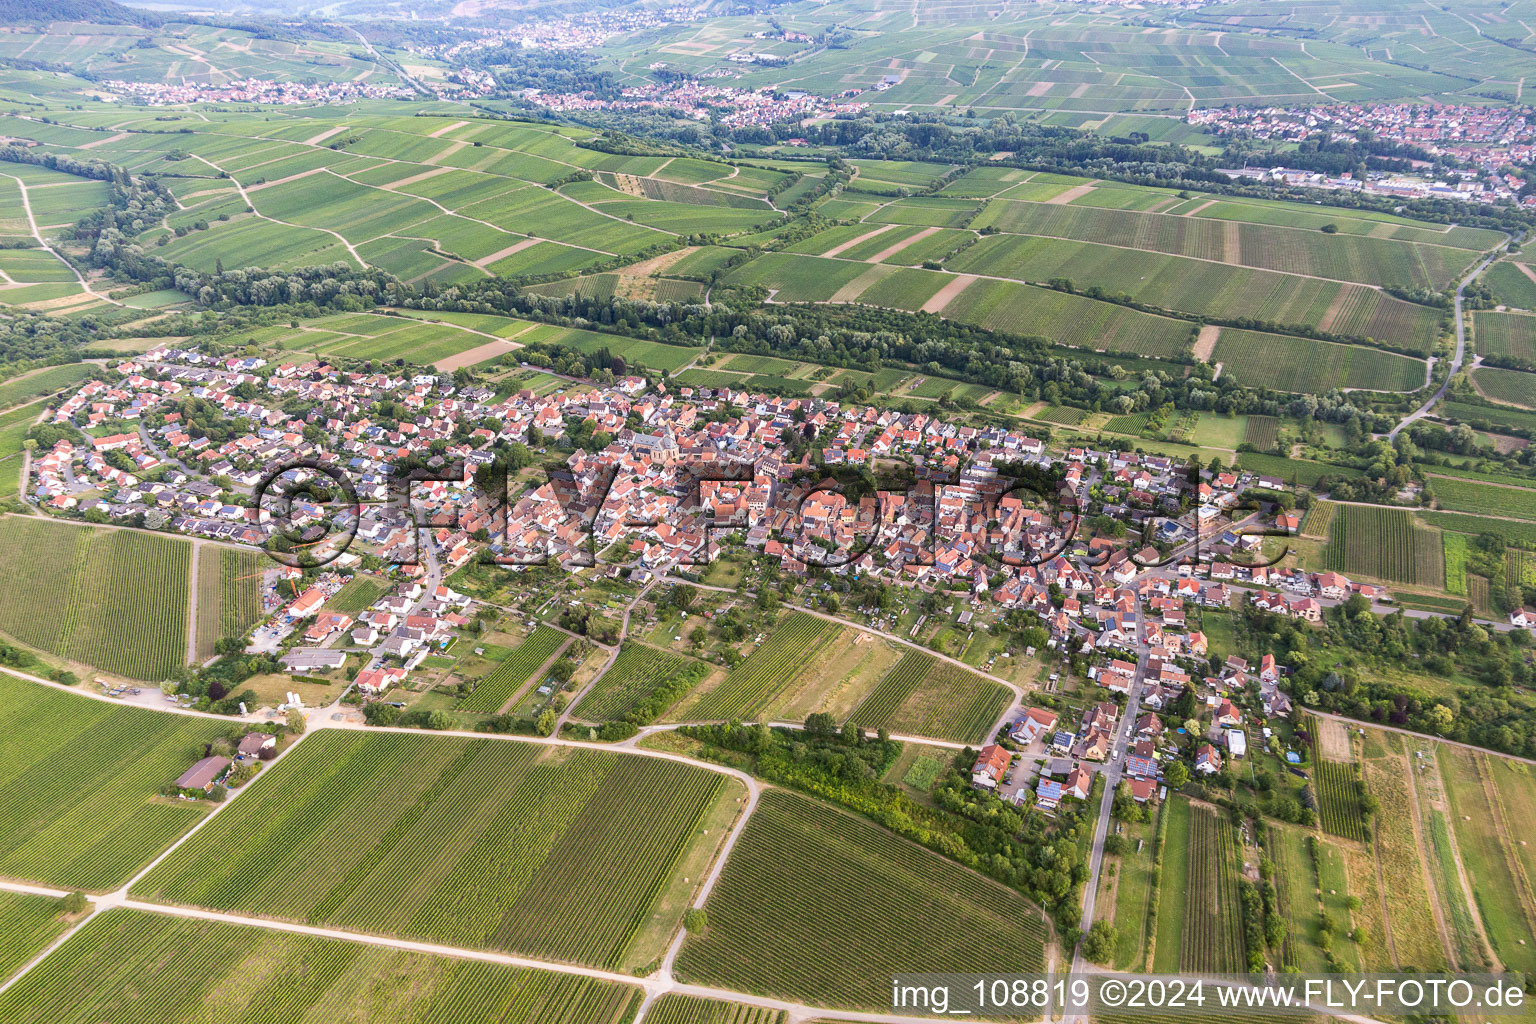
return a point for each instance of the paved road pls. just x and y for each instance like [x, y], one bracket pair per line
[1461, 347]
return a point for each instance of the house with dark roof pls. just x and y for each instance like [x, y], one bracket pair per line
[202, 775]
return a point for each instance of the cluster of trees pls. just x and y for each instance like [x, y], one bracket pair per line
[1338, 667]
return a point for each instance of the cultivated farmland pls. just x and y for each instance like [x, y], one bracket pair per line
[1490, 799]
[129, 965]
[636, 673]
[27, 924]
[1385, 544]
[1409, 906]
[1340, 257]
[678, 1009]
[1513, 386]
[513, 671]
[1067, 319]
[82, 778]
[771, 916]
[750, 686]
[1485, 499]
[358, 594]
[1338, 800]
[922, 696]
[558, 853]
[1506, 336]
[77, 591]
[1213, 935]
[1303, 365]
[228, 595]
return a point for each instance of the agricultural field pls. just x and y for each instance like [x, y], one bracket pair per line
[1172, 910]
[1263, 432]
[1512, 386]
[1303, 365]
[1297, 885]
[922, 696]
[1489, 797]
[751, 686]
[679, 1009]
[1463, 924]
[1511, 284]
[1385, 544]
[358, 594]
[428, 200]
[1064, 415]
[1506, 336]
[503, 837]
[1338, 257]
[769, 926]
[83, 778]
[1213, 935]
[45, 382]
[1338, 800]
[27, 925]
[1484, 499]
[513, 672]
[1511, 532]
[371, 336]
[1066, 319]
[1207, 288]
[1490, 417]
[1387, 765]
[1131, 911]
[636, 674]
[850, 664]
[76, 591]
[228, 594]
[130, 965]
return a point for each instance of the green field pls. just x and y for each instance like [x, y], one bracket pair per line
[771, 929]
[358, 594]
[228, 595]
[1338, 800]
[1213, 936]
[678, 1009]
[1339, 257]
[1488, 417]
[512, 673]
[1173, 900]
[1207, 288]
[1385, 544]
[27, 925]
[1484, 499]
[45, 382]
[922, 696]
[82, 779]
[1511, 532]
[1303, 365]
[552, 852]
[749, 687]
[1510, 285]
[78, 591]
[1513, 386]
[1505, 336]
[637, 674]
[127, 965]
[1067, 319]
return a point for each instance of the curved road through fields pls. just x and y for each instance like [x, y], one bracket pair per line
[1461, 345]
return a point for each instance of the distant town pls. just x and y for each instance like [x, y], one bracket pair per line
[1489, 141]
